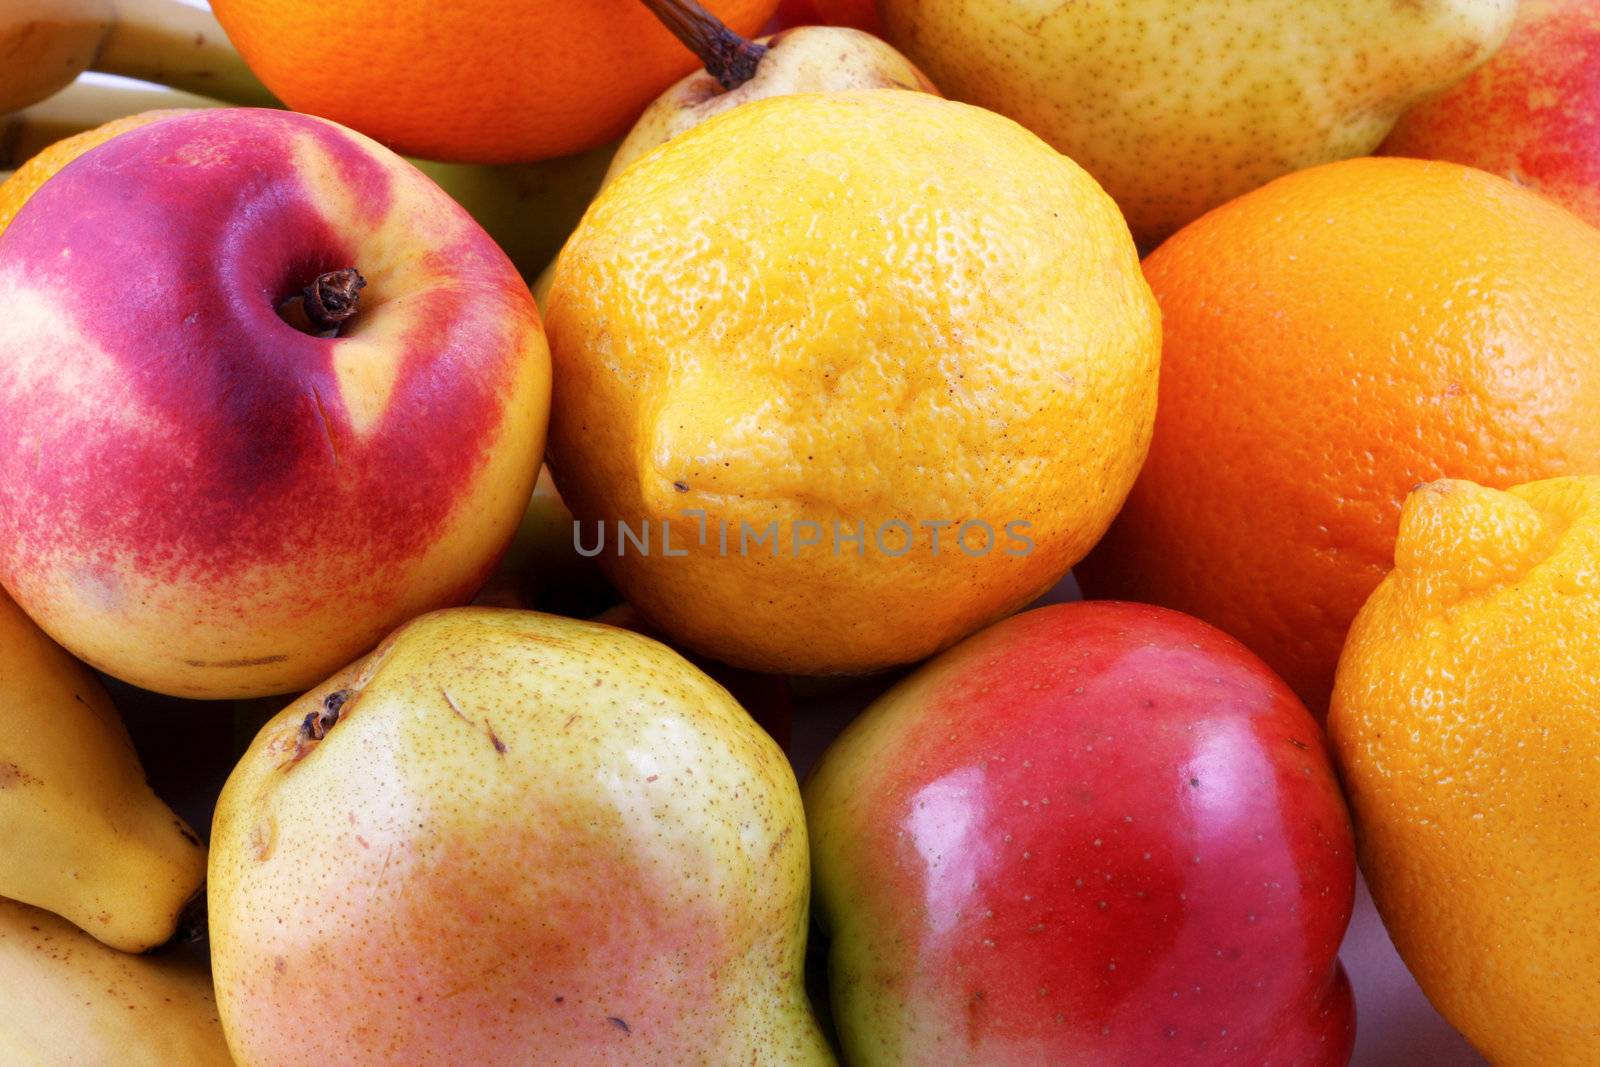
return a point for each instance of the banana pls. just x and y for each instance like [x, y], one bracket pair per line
[83, 105]
[45, 44]
[81, 833]
[68, 1001]
[176, 44]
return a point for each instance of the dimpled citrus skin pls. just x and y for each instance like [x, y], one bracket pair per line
[1331, 340]
[857, 308]
[17, 189]
[474, 81]
[1177, 106]
[1466, 720]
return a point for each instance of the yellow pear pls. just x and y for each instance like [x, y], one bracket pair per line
[69, 1001]
[1176, 106]
[81, 833]
[802, 59]
[513, 838]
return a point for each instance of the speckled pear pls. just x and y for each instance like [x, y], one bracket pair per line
[1176, 106]
[513, 838]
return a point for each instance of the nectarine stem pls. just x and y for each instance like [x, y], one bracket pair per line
[332, 298]
[728, 57]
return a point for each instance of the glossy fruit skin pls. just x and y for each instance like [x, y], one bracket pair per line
[1466, 722]
[471, 81]
[834, 308]
[1330, 341]
[1093, 833]
[526, 839]
[197, 497]
[1530, 114]
[1177, 107]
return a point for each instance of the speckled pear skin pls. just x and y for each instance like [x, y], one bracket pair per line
[1175, 106]
[523, 839]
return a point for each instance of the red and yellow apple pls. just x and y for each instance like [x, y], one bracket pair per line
[200, 497]
[1531, 114]
[1095, 833]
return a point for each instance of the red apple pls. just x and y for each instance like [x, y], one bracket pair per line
[1531, 114]
[203, 499]
[1095, 833]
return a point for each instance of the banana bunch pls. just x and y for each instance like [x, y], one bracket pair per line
[68, 1001]
[48, 43]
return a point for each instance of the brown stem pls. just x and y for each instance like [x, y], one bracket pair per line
[333, 297]
[728, 57]
[317, 723]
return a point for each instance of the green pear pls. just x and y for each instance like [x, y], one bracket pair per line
[513, 838]
[1176, 106]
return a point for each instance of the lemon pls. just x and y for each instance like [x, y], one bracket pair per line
[878, 367]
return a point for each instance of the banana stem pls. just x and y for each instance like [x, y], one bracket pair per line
[172, 43]
[728, 57]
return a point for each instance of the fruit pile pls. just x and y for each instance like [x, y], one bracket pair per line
[510, 503]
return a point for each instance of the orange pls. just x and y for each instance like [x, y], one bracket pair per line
[478, 81]
[1331, 340]
[820, 324]
[857, 14]
[15, 190]
[1466, 720]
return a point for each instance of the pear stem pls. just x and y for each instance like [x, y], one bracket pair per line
[728, 57]
[317, 723]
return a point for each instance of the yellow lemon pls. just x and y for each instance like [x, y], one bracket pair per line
[1466, 717]
[877, 367]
